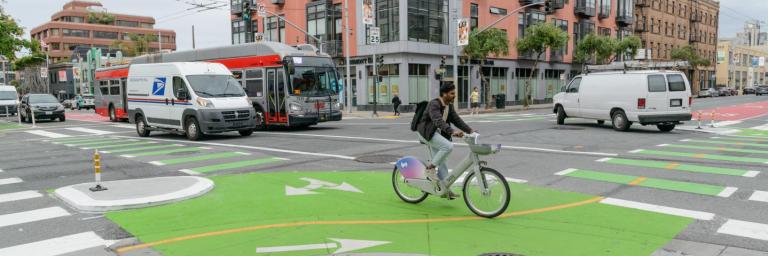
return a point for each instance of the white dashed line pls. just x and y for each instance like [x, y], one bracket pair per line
[658, 208]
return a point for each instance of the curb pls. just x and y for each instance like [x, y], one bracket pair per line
[83, 202]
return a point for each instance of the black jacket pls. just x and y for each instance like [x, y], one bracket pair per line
[433, 119]
[396, 101]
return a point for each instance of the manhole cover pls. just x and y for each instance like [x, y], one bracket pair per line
[567, 128]
[378, 159]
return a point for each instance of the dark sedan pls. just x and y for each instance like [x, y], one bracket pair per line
[44, 106]
[761, 90]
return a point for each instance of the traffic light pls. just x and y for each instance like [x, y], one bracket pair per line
[548, 8]
[442, 61]
[380, 59]
[247, 11]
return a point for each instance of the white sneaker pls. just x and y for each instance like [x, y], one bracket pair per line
[431, 174]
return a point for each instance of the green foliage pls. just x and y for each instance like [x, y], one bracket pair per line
[492, 42]
[11, 34]
[540, 37]
[629, 46]
[141, 42]
[604, 49]
[688, 53]
[125, 47]
[101, 18]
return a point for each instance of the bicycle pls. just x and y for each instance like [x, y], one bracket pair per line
[487, 196]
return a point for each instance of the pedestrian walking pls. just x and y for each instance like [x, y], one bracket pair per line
[396, 103]
[475, 102]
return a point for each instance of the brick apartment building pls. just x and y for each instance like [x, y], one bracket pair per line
[665, 25]
[416, 34]
[71, 27]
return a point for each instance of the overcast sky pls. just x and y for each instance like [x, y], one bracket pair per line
[213, 26]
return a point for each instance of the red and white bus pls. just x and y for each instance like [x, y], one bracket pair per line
[109, 92]
[289, 86]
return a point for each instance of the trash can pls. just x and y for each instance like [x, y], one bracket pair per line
[501, 101]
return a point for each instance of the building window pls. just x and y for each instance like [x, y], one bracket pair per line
[473, 16]
[418, 82]
[75, 32]
[498, 79]
[75, 19]
[105, 35]
[390, 83]
[498, 11]
[126, 23]
[528, 19]
[428, 21]
[625, 8]
[605, 8]
[145, 25]
[604, 31]
[275, 30]
[238, 32]
[563, 25]
[388, 20]
[316, 21]
[56, 46]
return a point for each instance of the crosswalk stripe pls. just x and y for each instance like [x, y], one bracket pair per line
[184, 160]
[162, 152]
[750, 151]
[125, 126]
[10, 181]
[702, 156]
[761, 128]
[735, 143]
[57, 246]
[659, 208]
[48, 134]
[31, 216]
[760, 196]
[142, 148]
[679, 167]
[16, 196]
[87, 130]
[121, 145]
[745, 229]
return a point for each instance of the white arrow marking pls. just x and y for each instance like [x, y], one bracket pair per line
[317, 184]
[344, 245]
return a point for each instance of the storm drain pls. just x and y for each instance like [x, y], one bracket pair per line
[377, 159]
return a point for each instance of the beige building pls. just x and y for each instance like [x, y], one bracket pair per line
[744, 65]
[666, 25]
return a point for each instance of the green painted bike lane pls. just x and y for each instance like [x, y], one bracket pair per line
[702, 156]
[681, 186]
[739, 150]
[249, 211]
[679, 167]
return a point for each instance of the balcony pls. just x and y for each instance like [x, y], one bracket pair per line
[237, 9]
[527, 2]
[624, 21]
[584, 10]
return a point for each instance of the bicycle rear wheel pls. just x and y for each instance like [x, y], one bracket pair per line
[405, 192]
[489, 202]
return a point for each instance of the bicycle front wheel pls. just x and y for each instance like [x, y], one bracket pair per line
[487, 195]
[405, 192]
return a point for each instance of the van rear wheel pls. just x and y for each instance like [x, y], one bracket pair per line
[620, 122]
[666, 127]
[560, 115]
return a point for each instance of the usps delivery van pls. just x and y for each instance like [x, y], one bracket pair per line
[661, 98]
[191, 98]
[9, 100]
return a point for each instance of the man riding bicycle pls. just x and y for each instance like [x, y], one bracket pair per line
[435, 130]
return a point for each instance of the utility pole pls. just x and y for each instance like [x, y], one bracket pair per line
[455, 43]
[193, 36]
[346, 54]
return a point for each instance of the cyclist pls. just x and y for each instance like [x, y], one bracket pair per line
[435, 130]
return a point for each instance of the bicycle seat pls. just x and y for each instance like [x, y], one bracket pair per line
[485, 149]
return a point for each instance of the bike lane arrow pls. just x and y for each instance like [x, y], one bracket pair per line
[344, 245]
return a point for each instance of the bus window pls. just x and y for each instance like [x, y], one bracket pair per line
[104, 87]
[114, 88]
[254, 82]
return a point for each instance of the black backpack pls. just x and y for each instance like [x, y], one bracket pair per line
[420, 107]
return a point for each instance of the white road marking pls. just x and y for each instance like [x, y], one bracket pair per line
[243, 153]
[636, 151]
[207, 148]
[745, 229]
[726, 123]
[760, 196]
[128, 156]
[1, 170]
[662, 145]
[92, 217]
[566, 171]
[10, 197]
[190, 172]
[604, 159]
[727, 192]
[281, 158]
[87, 130]
[31, 216]
[156, 163]
[751, 174]
[761, 128]
[659, 208]
[10, 181]
[48, 134]
[685, 140]
[57, 246]
[126, 126]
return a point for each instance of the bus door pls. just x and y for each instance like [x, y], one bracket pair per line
[276, 93]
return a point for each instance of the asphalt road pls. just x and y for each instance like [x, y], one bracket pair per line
[600, 162]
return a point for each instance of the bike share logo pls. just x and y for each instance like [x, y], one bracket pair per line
[158, 86]
[411, 167]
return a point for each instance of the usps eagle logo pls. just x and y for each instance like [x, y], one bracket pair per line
[158, 86]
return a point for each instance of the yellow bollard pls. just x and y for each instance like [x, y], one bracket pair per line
[97, 169]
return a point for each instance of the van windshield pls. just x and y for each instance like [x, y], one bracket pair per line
[7, 95]
[215, 86]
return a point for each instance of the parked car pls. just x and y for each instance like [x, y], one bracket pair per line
[85, 102]
[67, 104]
[42, 106]
[749, 90]
[711, 92]
[660, 98]
[733, 91]
[724, 91]
[8, 100]
[203, 97]
[761, 90]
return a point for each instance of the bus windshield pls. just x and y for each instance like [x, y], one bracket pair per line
[215, 86]
[314, 77]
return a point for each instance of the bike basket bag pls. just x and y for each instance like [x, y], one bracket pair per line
[420, 107]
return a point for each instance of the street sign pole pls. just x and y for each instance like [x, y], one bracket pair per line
[348, 84]
[373, 39]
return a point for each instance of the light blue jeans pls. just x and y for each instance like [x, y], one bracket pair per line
[440, 148]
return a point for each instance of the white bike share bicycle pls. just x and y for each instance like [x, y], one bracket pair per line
[485, 190]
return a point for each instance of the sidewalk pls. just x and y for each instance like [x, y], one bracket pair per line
[388, 114]
[135, 193]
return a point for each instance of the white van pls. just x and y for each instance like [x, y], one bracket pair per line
[192, 98]
[661, 98]
[9, 100]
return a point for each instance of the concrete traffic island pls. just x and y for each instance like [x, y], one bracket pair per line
[136, 193]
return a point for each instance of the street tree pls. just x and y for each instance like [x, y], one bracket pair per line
[689, 54]
[628, 47]
[11, 36]
[596, 49]
[124, 46]
[492, 42]
[537, 39]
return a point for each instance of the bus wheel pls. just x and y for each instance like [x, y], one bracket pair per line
[261, 121]
[112, 115]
